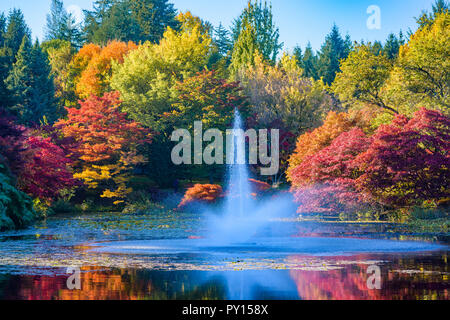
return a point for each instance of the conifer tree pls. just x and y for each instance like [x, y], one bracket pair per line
[16, 30]
[333, 50]
[2, 29]
[62, 25]
[392, 46]
[309, 63]
[19, 81]
[266, 34]
[43, 101]
[3, 62]
[244, 49]
[222, 40]
[30, 85]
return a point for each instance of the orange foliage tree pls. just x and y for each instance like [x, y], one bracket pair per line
[207, 193]
[93, 64]
[107, 144]
[334, 125]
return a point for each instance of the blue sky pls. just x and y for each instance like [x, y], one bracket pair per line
[299, 21]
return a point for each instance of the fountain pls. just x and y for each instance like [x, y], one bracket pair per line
[234, 232]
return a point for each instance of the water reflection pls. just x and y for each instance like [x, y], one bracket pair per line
[418, 276]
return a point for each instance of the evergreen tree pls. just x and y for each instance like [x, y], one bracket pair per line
[61, 25]
[333, 50]
[265, 32]
[153, 18]
[244, 49]
[298, 54]
[19, 82]
[43, 101]
[392, 46]
[30, 85]
[222, 40]
[94, 19]
[427, 19]
[119, 24]
[4, 62]
[135, 20]
[309, 63]
[16, 30]
[2, 29]
[377, 48]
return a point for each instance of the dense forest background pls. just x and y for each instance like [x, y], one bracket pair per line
[86, 116]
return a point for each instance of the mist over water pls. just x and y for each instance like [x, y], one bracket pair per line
[242, 216]
[243, 226]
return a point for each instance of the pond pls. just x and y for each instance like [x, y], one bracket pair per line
[135, 257]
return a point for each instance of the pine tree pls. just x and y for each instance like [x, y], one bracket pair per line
[298, 54]
[94, 19]
[153, 18]
[129, 20]
[61, 25]
[266, 33]
[43, 101]
[16, 30]
[333, 50]
[309, 63]
[244, 49]
[19, 82]
[3, 63]
[30, 85]
[2, 29]
[222, 40]
[118, 25]
[392, 46]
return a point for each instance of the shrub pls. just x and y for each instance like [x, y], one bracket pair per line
[16, 208]
[206, 193]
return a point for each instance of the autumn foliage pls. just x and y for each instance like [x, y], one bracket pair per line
[203, 193]
[95, 66]
[311, 142]
[47, 170]
[325, 182]
[12, 137]
[107, 144]
[401, 164]
[408, 160]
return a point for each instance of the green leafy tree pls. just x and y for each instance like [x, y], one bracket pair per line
[332, 52]
[60, 54]
[266, 34]
[421, 76]
[147, 77]
[203, 97]
[362, 77]
[282, 98]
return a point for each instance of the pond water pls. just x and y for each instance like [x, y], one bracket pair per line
[162, 257]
